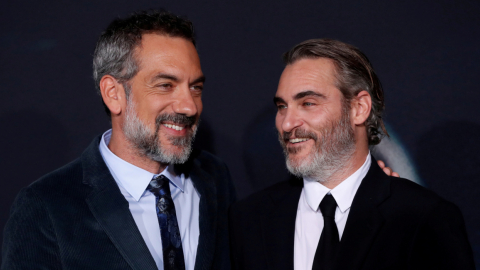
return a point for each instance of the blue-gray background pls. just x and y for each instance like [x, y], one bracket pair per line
[426, 53]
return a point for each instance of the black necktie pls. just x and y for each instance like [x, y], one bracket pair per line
[167, 219]
[329, 240]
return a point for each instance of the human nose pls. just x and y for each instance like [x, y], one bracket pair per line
[185, 103]
[291, 120]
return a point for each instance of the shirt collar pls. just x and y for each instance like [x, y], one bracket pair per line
[343, 193]
[133, 179]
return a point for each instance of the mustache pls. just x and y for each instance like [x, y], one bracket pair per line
[299, 133]
[176, 119]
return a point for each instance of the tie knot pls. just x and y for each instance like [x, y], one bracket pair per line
[328, 206]
[158, 183]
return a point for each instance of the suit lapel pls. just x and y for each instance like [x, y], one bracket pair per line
[205, 186]
[278, 228]
[112, 212]
[364, 220]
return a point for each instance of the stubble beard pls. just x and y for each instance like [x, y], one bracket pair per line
[147, 142]
[331, 154]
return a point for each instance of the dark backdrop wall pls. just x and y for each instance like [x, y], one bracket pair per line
[425, 52]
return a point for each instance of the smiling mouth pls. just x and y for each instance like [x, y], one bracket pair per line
[298, 140]
[175, 127]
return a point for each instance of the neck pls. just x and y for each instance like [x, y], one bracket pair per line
[349, 167]
[122, 148]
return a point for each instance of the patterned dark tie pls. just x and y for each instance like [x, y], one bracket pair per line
[329, 240]
[167, 219]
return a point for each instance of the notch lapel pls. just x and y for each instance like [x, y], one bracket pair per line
[364, 220]
[278, 228]
[111, 210]
[203, 183]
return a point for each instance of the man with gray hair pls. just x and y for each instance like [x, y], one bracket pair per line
[138, 197]
[345, 213]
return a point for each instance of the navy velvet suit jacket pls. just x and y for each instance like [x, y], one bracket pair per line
[393, 224]
[76, 218]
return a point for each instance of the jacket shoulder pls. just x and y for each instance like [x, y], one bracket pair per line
[409, 197]
[262, 198]
[60, 178]
[411, 191]
[207, 160]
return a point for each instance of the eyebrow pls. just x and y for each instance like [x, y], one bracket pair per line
[200, 79]
[308, 93]
[277, 100]
[300, 95]
[165, 76]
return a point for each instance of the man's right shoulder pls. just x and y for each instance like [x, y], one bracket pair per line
[60, 180]
[261, 201]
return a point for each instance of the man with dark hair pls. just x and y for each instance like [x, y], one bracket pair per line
[138, 197]
[345, 213]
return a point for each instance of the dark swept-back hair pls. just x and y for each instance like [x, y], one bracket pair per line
[115, 51]
[353, 73]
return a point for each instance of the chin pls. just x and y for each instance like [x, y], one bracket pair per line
[170, 157]
[298, 154]
[298, 162]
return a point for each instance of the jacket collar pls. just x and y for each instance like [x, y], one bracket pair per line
[111, 210]
[205, 186]
[364, 220]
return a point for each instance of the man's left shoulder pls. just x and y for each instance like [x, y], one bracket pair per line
[206, 158]
[409, 190]
[410, 196]
[207, 168]
[435, 225]
[207, 162]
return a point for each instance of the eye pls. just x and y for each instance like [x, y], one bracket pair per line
[165, 85]
[281, 106]
[308, 104]
[198, 88]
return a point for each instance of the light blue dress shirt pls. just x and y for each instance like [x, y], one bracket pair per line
[133, 182]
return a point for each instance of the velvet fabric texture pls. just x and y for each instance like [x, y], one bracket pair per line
[76, 218]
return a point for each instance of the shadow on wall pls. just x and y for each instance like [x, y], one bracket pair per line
[32, 144]
[448, 158]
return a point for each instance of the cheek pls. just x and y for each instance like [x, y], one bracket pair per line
[199, 105]
[156, 106]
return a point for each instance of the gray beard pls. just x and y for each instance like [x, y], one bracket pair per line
[331, 153]
[147, 142]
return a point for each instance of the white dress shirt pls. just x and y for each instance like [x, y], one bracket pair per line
[133, 182]
[309, 221]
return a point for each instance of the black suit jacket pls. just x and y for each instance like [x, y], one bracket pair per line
[393, 224]
[76, 218]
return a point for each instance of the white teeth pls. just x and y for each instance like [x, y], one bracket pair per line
[173, 126]
[297, 140]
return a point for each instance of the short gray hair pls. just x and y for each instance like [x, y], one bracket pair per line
[115, 51]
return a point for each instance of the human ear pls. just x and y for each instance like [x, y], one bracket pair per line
[361, 107]
[112, 94]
